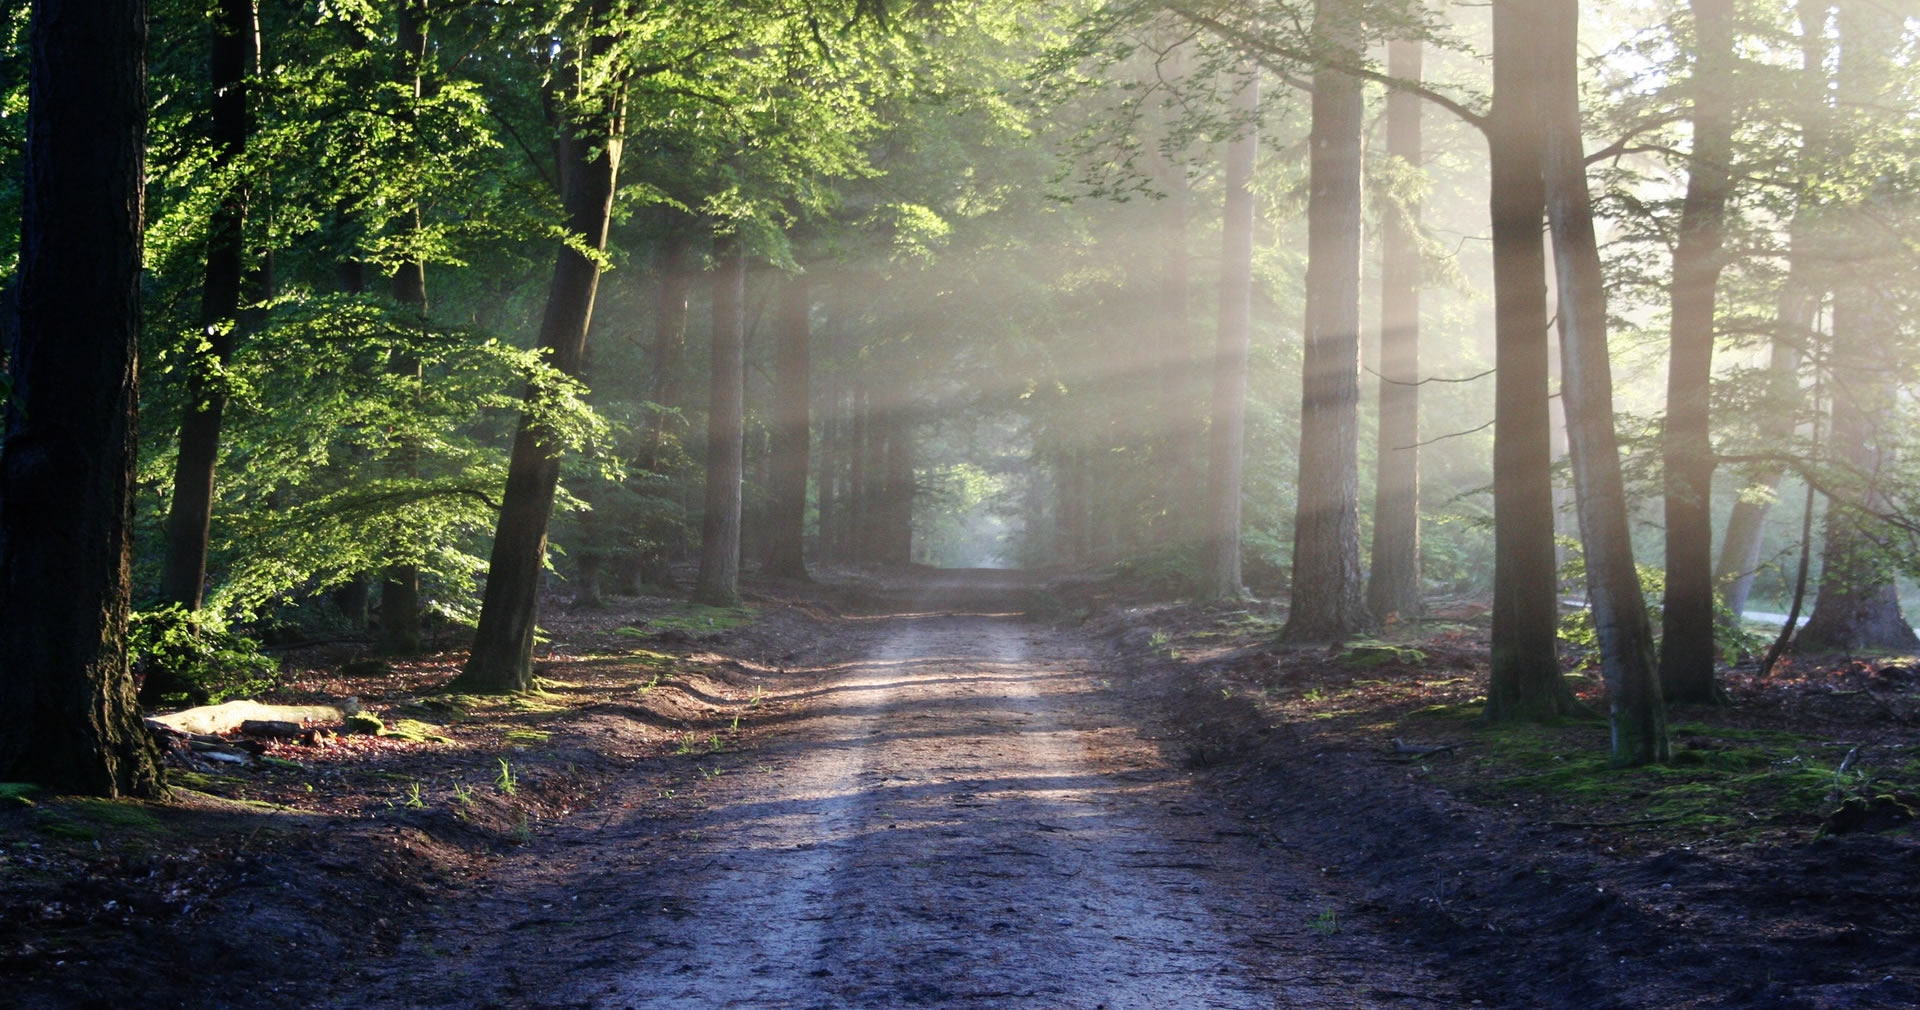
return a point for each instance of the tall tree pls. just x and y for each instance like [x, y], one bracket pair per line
[718, 582]
[400, 584]
[1329, 589]
[1635, 707]
[589, 123]
[67, 714]
[1220, 573]
[232, 55]
[1393, 579]
[1525, 681]
[1797, 305]
[792, 431]
[1687, 650]
[1857, 606]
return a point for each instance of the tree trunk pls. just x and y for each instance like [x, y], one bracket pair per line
[68, 720]
[1636, 711]
[897, 534]
[1329, 589]
[1525, 682]
[589, 158]
[666, 536]
[1856, 607]
[1798, 304]
[1687, 652]
[859, 496]
[718, 583]
[792, 433]
[1393, 583]
[1182, 402]
[1220, 571]
[400, 584]
[183, 573]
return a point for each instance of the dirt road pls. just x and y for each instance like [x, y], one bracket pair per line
[961, 815]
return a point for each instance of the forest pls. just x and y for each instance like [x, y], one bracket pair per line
[463, 456]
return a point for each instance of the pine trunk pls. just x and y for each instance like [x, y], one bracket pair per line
[1220, 572]
[502, 657]
[68, 719]
[1393, 580]
[718, 583]
[1329, 589]
[1627, 664]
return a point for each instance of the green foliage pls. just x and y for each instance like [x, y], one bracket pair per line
[197, 647]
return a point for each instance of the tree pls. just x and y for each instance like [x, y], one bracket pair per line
[718, 582]
[400, 584]
[1220, 573]
[234, 53]
[1687, 651]
[589, 131]
[792, 431]
[1329, 597]
[1857, 606]
[67, 714]
[1795, 308]
[1525, 680]
[1393, 579]
[1627, 663]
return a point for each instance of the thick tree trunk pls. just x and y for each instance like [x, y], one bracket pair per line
[792, 433]
[1525, 683]
[1329, 589]
[1797, 306]
[1687, 652]
[502, 657]
[183, 572]
[1636, 711]
[1226, 442]
[68, 720]
[400, 584]
[718, 583]
[1393, 581]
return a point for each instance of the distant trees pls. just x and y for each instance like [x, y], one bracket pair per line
[1220, 575]
[67, 714]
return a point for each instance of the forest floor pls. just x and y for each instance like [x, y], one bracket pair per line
[988, 789]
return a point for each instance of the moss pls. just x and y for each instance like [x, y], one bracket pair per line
[17, 794]
[416, 731]
[88, 819]
[1370, 655]
[691, 617]
[527, 736]
[365, 722]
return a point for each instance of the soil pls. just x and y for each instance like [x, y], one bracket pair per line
[981, 789]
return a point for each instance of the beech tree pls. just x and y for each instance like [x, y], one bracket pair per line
[67, 715]
[718, 583]
[1627, 663]
[1220, 576]
[589, 131]
[1393, 576]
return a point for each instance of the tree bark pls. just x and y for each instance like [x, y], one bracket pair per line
[1856, 606]
[68, 720]
[1220, 572]
[400, 584]
[1798, 304]
[589, 159]
[1393, 581]
[1329, 588]
[718, 583]
[1525, 683]
[1687, 651]
[183, 573]
[1635, 709]
[792, 432]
